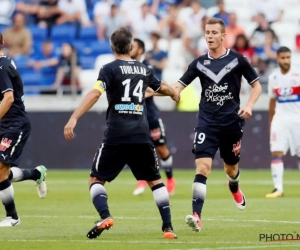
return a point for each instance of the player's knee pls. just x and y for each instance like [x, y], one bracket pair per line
[4, 171]
[93, 180]
[203, 166]
[151, 184]
[277, 154]
[231, 169]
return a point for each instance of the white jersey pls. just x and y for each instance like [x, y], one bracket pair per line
[286, 89]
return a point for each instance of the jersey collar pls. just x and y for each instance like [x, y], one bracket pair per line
[226, 54]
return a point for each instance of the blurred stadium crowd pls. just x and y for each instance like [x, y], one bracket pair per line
[53, 41]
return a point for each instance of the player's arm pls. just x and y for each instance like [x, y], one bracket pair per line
[272, 95]
[89, 100]
[7, 101]
[251, 76]
[6, 89]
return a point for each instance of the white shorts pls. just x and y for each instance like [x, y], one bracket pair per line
[285, 136]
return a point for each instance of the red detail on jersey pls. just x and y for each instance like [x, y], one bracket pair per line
[237, 148]
[155, 134]
[273, 137]
[5, 144]
[293, 90]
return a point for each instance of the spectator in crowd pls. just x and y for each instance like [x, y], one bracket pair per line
[160, 7]
[263, 71]
[202, 47]
[101, 10]
[257, 40]
[48, 13]
[241, 45]
[193, 31]
[73, 11]
[208, 3]
[30, 9]
[170, 26]
[18, 38]
[7, 8]
[110, 23]
[271, 45]
[128, 7]
[45, 62]
[232, 30]
[222, 14]
[68, 70]
[144, 23]
[272, 9]
[156, 57]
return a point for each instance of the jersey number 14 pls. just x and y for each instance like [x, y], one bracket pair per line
[138, 90]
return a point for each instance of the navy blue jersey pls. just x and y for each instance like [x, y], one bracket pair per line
[10, 80]
[125, 83]
[221, 83]
[152, 109]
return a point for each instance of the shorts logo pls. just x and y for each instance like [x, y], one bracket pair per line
[236, 148]
[5, 144]
[155, 134]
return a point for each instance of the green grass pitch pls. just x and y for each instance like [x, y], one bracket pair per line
[61, 221]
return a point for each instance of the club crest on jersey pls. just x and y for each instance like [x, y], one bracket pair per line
[228, 69]
[206, 62]
[5, 144]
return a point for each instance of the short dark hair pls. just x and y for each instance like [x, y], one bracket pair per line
[1, 41]
[121, 41]
[155, 35]
[283, 49]
[141, 44]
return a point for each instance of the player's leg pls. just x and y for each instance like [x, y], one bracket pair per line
[145, 167]
[230, 146]
[279, 143]
[205, 147]
[108, 163]
[37, 174]
[167, 164]
[7, 198]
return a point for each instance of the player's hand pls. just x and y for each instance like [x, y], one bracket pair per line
[69, 129]
[245, 112]
[176, 96]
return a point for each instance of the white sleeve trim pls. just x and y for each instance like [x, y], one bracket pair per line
[254, 80]
[157, 89]
[9, 89]
[182, 83]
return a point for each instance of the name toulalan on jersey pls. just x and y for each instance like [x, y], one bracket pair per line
[286, 89]
[133, 70]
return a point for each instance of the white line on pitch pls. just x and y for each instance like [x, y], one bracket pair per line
[148, 218]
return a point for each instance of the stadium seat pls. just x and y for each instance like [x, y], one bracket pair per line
[38, 34]
[99, 48]
[63, 33]
[3, 27]
[291, 14]
[103, 59]
[88, 34]
[31, 79]
[88, 78]
[87, 62]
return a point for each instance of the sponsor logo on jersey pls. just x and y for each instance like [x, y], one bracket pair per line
[129, 108]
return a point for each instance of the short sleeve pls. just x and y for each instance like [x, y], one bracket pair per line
[5, 82]
[154, 82]
[103, 80]
[271, 91]
[248, 71]
[189, 75]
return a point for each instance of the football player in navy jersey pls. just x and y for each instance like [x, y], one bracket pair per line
[220, 118]
[156, 126]
[14, 131]
[126, 140]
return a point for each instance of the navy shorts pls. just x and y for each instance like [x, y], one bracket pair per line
[208, 139]
[13, 137]
[157, 132]
[111, 159]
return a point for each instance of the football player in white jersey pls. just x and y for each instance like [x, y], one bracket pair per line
[284, 110]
